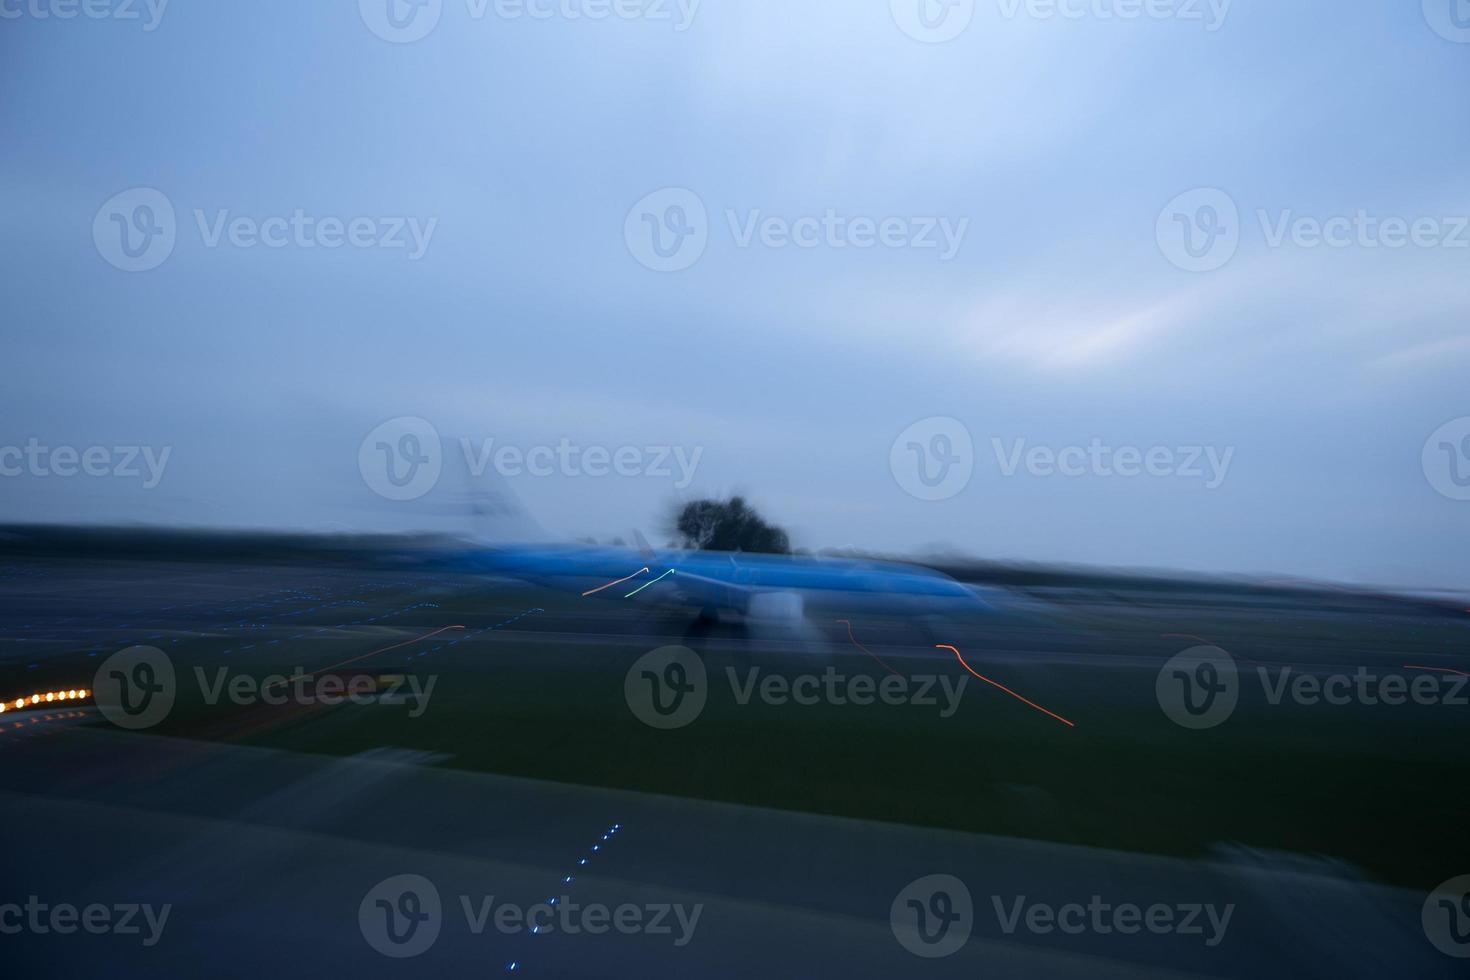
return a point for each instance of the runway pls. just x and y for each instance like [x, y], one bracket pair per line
[513, 747]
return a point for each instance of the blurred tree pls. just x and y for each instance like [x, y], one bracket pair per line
[714, 525]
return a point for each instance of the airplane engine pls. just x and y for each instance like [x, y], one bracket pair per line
[776, 607]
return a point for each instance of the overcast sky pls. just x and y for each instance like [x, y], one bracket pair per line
[994, 235]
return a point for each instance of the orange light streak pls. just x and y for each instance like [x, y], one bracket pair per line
[1053, 714]
[866, 650]
[618, 582]
[353, 660]
[1442, 670]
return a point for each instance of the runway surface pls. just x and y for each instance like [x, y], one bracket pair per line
[793, 828]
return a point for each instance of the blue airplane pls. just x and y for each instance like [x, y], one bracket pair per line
[724, 584]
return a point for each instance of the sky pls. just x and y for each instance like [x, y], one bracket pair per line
[909, 275]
